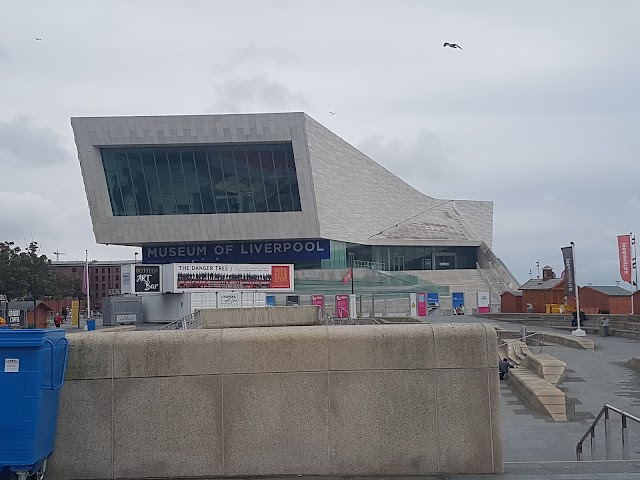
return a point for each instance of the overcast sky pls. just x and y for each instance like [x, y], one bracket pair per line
[539, 113]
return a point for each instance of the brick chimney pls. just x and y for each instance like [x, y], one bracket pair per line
[547, 273]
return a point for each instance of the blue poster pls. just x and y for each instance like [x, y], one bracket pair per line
[274, 251]
[433, 299]
[270, 300]
[457, 298]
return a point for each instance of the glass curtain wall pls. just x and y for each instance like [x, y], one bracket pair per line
[204, 179]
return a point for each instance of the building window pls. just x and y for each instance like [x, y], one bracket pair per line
[202, 179]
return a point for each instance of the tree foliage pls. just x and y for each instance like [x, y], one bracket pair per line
[26, 275]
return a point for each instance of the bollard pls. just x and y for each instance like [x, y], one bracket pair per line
[604, 327]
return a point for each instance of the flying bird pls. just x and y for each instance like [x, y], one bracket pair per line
[333, 113]
[452, 45]
[38, 39]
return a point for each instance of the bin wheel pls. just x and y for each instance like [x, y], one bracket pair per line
[39, 475]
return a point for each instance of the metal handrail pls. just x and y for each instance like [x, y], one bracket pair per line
[499, 277]
[519, 339]
[185, 323]
[485, 278]
[626, 454]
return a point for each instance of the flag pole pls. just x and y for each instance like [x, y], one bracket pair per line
[634, 265]
[578, 332]
[86, 268]
[351, 256]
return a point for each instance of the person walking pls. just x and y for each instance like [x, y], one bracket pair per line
[57, 320]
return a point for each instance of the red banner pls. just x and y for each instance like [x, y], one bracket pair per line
[347, 277]
[624, 251]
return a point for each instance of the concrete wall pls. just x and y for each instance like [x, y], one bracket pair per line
[357, 400]
[165, 308]
[260, 317]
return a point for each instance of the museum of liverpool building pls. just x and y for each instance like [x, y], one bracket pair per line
[265, 188]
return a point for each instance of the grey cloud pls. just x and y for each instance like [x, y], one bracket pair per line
[24, 143]
[425, 153]
[252, 55]
[255, 93]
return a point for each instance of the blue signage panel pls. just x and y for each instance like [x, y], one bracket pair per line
[274, 251]
[457, 298]
[432, 298]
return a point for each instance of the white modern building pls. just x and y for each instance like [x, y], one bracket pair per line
[266, 188]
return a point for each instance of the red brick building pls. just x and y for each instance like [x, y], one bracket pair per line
[104, 277]
[539, 293]
[615, 300]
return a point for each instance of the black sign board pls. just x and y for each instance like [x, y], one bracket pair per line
[147, 278]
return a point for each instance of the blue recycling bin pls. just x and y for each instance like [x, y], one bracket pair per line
[32, 368]
[91, 324]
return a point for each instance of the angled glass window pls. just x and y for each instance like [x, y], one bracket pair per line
[191, 180]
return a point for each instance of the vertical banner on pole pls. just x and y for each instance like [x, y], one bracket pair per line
[342, 306]
[422, 304]
[413, 299]
[624, 254]
[569, 274]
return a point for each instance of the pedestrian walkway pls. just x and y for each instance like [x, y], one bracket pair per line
[593, 379]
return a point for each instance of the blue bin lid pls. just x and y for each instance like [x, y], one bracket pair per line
[32, 337]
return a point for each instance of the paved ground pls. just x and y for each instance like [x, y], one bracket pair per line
[594, 378]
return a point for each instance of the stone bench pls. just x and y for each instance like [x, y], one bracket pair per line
[539, 393]
[536, 380]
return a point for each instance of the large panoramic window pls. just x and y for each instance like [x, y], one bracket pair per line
[204, 179]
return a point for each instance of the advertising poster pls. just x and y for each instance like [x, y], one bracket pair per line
[433, 300]
[457, 298]
[217, 276]
[342, 306]
[75, 313]
[270, 300]
[483, 302]
[317, 300]
[422, 304]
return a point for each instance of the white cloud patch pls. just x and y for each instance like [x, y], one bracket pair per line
[25, 144]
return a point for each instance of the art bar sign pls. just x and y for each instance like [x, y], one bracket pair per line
[277, 251]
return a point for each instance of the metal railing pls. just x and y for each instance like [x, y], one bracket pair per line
[369, 265]
[328, 319]
[185, 323]
[626, 445]
[539, 336]
[499, 277]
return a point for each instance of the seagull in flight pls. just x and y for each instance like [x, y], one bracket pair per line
[452, 45]
[333, 113]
